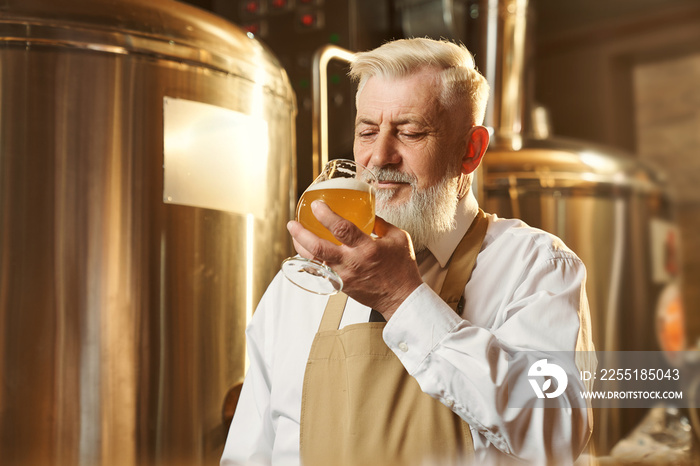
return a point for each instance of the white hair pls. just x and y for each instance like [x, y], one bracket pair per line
[462, 84]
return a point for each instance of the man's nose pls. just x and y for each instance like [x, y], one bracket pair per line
[385, 151]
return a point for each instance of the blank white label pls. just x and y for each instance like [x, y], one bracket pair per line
[214, 157]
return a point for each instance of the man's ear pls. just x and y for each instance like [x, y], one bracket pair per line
[477, 142]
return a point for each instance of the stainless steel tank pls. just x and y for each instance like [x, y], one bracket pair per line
[604, 206]
[146, 176]
[602, 202]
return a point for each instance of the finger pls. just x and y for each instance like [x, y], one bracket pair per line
[344, 230]
[309, 245]
[301, 250]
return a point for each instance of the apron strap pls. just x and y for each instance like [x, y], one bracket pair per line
[462, 262]
[333, 313]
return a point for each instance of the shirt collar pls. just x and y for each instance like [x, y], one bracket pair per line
[444, 244]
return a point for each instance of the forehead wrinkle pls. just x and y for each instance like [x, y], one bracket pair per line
[408, 120]
[399, 115]
[378, 105]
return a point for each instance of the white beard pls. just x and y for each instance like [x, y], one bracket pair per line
[426, 214]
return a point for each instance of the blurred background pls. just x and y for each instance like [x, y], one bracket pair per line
[152, 152]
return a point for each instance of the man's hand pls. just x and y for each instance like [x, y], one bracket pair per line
[377, 272]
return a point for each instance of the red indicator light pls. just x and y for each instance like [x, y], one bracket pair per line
[279, 3]
[252, 7]
[308, 19]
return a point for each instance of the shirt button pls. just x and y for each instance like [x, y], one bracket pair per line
[403, 346]
[449, 403]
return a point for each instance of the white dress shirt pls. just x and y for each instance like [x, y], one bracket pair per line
[526, 294]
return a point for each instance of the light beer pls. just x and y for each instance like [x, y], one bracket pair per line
[350, 198]
[340, 185]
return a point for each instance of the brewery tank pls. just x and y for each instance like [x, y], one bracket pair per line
[146, 177]
[607, 207]
[610, 208]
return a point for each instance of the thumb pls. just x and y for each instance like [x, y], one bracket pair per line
[382, 229]
[393, 234]
[381, 226]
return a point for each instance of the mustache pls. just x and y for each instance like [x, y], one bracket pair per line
[391, 174]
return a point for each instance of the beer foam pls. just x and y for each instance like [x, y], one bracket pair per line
[341, 183]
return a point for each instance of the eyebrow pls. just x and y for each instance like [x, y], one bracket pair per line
[364, 121]
[403, 121]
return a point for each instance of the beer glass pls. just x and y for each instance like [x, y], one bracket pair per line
[348, 189]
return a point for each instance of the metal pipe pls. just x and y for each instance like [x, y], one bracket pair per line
[504, 35]
[319, 111]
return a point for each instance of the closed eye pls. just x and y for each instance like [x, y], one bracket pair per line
[366, 133]
[411, 135]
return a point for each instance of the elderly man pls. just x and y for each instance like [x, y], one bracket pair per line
[466, 297]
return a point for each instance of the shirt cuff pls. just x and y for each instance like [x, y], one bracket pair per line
[421, 322]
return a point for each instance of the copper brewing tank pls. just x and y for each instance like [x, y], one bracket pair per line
[146, 176]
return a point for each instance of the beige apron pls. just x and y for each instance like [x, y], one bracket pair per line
[360, 406]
